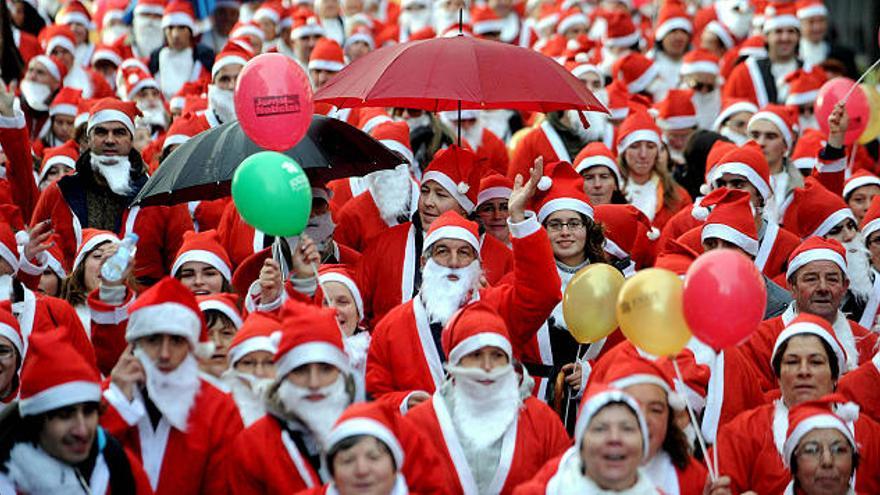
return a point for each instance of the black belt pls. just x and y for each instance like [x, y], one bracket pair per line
[541, 370]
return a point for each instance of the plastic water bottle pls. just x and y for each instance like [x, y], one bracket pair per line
[114, 266]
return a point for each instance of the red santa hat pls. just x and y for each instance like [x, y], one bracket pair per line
[747, 161]
[816, 249]
[57, 373]
[65, 102]
[485, 20]
[113, 13]
[134, 80]
[57, 35]
[638, 126]
[74, 12]
[809, 324]
[362, 34]
[596, 154]
[457, 170]
[804, 85]
[672, 16]
[247, 29]
[780, 15]
[53, 65]
[342, 275]
[494, 186]
[376, 419]
[10, 329]
[370, 117]
[730, 107]
[623, 226]
[636, 71]
[811, 8]
[225, 303]
[806, 150]
[473, 327]
[621, 31]
[785, 119]
[700, 61]
[230, 55]
[548, 16]
[618, 100]
[327, 55]
[92, 238]
[260, 331]
[113, 110]
[716, 153]
[871, 220]
[306, 24]
[9, 246]
[731, 219]
[753, 46]
[65, 155]
[83, 112]
[395, 136]
[579, 69]
[309, 334]
[179, 13]
[270, 11]
[561, 188]
[451, 225]
[677, 111]
[150, 7]
[820, 415]
[106, 53]
[636, 370]
[203, 247]
[859, 179]
[722, 32]
[818, 210]
[182, 129]
[569, 19]
[169, 308]
[55, 260]
[596, 397]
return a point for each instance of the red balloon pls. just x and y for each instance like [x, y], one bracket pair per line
[724, 298]
[273, 101]
[857, 107]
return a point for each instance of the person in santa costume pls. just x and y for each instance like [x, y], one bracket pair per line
[820, 448]
[672, 37]
[611, 442]
[158, 406]
[202, 264]
[490, 149]
[57, 162]
[325, 61]
[42, 80]
[223, 320]
[55, 444]
[859, 191]
[773, 128]
[59, 41]
[602, 178]
[251, 368]
[389, 272]
[494, 433]
[59, 128]
[109, 174]
[451, 278]
[700, 72]
[11, 355]
[629, 237]
[181, 59]
[560, 137]
[815, 46]
[492, 210]
[807, 361]
[85, 273]
[869, 228]
[228, 64]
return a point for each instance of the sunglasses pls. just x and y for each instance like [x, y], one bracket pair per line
[702, 87]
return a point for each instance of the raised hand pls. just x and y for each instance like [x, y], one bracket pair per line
[7, 98]
[305, 254]
[838, 123]
[522, 193]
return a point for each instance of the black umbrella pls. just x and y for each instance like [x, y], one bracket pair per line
[202, 168]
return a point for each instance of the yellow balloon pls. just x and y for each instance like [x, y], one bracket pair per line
[873, 128]
[651, 314]
[589, 301]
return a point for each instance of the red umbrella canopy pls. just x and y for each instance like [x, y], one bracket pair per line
[440, 73]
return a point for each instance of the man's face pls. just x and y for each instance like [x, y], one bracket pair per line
[767, 135]
[676, 42]
[80, 32]
[224, 19]
[860, 199]
[63, 54]
[740, 183]
[110, 138]
[178, 37]
[782, 43]
[701, 82]
[314, 376]
[62, 126]
[320, 77]
[486, 358]
[68, 433]
[165, 350]
[599, 184]
[453, 253]
[493, 215]
[435, 200]
[356, 50]
[815, 28]
[38, 74]
[678, 138]
[148, 97]
[227, 75]
[818, 288]
[303, 46]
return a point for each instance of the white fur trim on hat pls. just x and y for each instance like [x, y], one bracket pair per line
[777, 121]
[492, 26]
[600, 161]
[781, 21]
[10, 257]
[224, 61]
[730, 234]
[312, 352]
[870, 228]
[60, 396]
[678, 122]
[175, 139]
[636, 136]
[148, 9]
[13, 337]
[832, 220]
[478, 341]
[110, 115]
[108, 55]
[213, 304]
[178, 19]
[349, 284]
[203, 257]
[571, 20]
[643, 81]
[615, 250]
[815, 255]
[399, 147]
[367, 426]
[73, 17]
[253, 344]
[623, 41]
[451, 232]
[249, 30]
[48, 64]
[499, 192]
[327, 65]
[307, 30]
[739, 168]
[718, 30]
[363, 37]
[808, 328]
[166, 318]
[596, 403]
[819, 421]
[699, 67]
[63, 109]
[451, 187]
[815, 10]
[90, 245]
[582, 69]
[147, 82]
[675, 401]
[62, 41]
[265, 13]
[858, 182]
[63, 160]
[740, 106]
[667, 27]
[557, 204]
[807, 98]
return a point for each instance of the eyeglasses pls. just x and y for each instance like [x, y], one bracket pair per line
[815, 450]
[701, 87]
[557, 226]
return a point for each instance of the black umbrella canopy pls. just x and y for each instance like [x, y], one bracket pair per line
[202, 168]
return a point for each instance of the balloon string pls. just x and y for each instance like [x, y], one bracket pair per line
[711, 466]
[568, 389]
[864, 74]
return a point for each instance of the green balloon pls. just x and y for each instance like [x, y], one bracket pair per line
[272, 193]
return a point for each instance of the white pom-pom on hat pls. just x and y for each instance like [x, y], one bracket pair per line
[701, 213]
[463, 187]
[545, 183]
[653, 234]
[848, 411]
[705, 189]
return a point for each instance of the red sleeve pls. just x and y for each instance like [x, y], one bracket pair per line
[108, 329]
[20, 166]
[244, 470]
[379, 379]
[347, 229]
[734, 458]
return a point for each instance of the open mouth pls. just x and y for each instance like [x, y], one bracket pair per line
[452, 278]
[315, 397]
[201, 292]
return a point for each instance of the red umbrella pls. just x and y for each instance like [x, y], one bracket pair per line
[459, 72]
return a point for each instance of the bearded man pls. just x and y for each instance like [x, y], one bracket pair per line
[494, 433]
[181, 59]
[251, 367]
[180, 426]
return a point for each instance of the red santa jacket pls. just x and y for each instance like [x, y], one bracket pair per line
[536, 436]
[206, 215]
[14, 139]
[40, 313]
[540, 141]
[108, 329]
[392, 257]
[359, 222]
[403, 357]
[195, 461]
[749, 451]
[855, 384]
[492, 154]
[342, 190]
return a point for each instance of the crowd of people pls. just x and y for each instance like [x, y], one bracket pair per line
[412, 338]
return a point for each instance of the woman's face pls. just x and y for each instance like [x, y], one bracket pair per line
[655, 408]
[221, 334]
[599, 184]
[493, 215]
[366, 468]
[200, 278]
[568, 236]
[258, 363]
[641, 157]
[50, 283]
[824, 462]
[860, 200]
[805, 371]
[92, 267]
[341, 298]
[611, 449]
[8, 367]
[676, 42]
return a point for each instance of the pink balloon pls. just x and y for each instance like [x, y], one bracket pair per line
[273, 101]
[724, 298]
[857, 107]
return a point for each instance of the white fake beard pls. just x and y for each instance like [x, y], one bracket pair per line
[415, 21]
[36, 95]
[5, 287]
[148, 35]
[222, 102]
[658, 89]
[443, 297]
[708, 106]
[608, 60]
[248, 392]
[116, 170]
[482, 413]
[154, 115]
[473, 135]
[737, 138]
[418, 122]
[444, 19]
[808, 122]
[110, 34]
[320, 228]
[391, 191]
[318, 416]
[858, 268]
[32, 470]
[173, 393]
[813, 53]
[739, 24]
